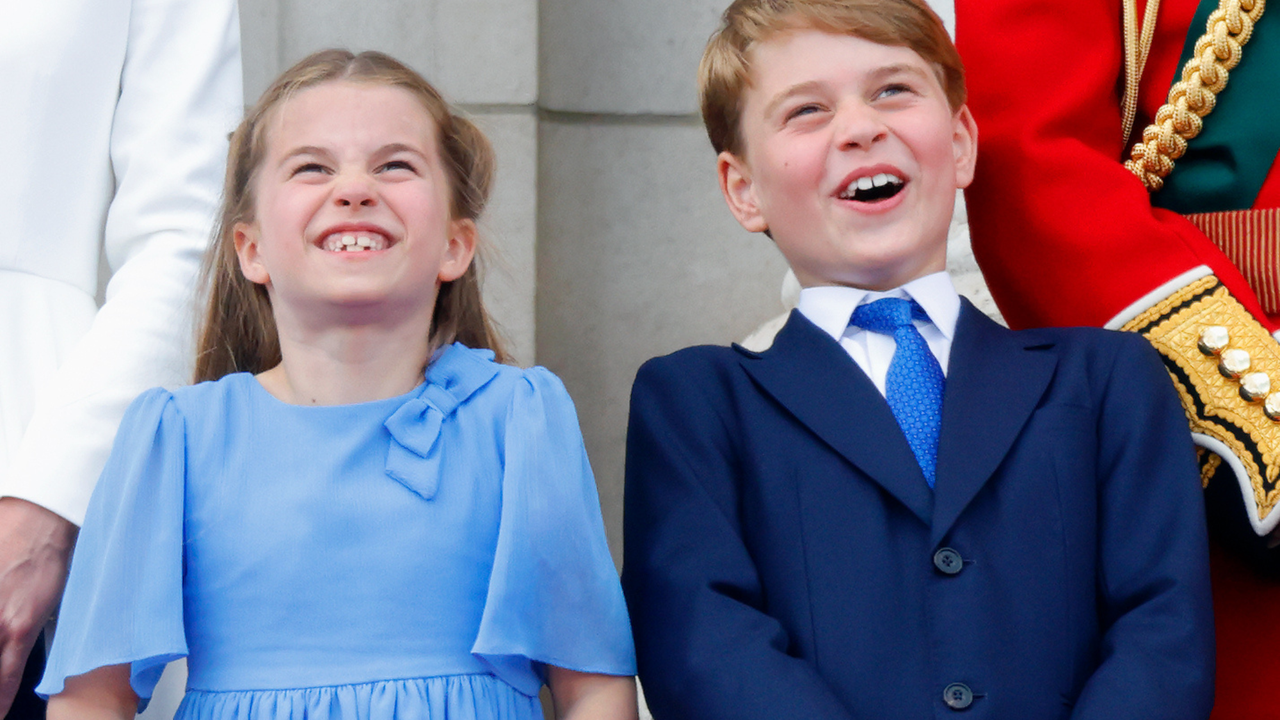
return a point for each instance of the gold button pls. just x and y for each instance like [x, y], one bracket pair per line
[1255, 386]
[1233, 363]
[1272, 406]
[1213, 340]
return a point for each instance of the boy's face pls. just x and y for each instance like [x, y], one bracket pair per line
[826, 114]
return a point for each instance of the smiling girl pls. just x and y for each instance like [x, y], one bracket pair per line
[359, 512]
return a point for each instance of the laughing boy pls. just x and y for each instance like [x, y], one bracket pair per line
[901, 509]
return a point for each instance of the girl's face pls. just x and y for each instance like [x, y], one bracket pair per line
[352, 220]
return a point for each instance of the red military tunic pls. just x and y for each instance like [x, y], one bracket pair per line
[1066, 235]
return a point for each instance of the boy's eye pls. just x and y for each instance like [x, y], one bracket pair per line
[806, 109]
[893, 90]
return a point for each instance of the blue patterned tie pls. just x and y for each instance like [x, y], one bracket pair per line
[913, 385]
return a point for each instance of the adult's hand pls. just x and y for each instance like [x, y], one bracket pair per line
[35, 546]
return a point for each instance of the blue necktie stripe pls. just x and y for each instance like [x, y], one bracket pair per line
[914, 383]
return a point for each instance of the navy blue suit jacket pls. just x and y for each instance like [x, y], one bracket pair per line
[780, 539]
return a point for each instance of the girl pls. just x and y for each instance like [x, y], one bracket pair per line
[321, 532]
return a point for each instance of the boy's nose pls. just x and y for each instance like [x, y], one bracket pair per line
[859, 126]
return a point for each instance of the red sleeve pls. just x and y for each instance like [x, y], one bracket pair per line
[1065, 235]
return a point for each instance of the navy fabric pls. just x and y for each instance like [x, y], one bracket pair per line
[783, 552]
[914, 383]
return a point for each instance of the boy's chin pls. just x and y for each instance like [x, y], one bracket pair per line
[875, 277]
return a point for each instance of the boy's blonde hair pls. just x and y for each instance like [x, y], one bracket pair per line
[725, 71]
[238, 333]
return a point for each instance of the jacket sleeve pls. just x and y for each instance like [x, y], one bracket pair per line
[705, 646]
[1065, 235]
[1154, 603]
[180, 93]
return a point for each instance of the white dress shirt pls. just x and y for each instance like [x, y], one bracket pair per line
[830, 307]
[113, 135]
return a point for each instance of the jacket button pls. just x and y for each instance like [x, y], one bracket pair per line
[957, 696]
[948, 561]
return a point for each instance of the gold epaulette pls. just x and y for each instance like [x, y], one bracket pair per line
[1223, 363]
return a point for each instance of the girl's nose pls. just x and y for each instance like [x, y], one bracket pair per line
[353, 191]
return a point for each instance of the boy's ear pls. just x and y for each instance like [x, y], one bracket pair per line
[463, 236]
[964, 142]
[246, 241]
[739, 192]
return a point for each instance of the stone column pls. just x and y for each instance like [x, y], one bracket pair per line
[637, 254]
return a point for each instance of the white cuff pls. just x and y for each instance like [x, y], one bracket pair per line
[1145, 302]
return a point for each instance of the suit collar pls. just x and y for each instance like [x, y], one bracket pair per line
[811, 376]
[995, 379]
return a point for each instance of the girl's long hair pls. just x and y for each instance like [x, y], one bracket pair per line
[238, 331]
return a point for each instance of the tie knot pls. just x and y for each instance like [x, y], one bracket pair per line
[887, 315]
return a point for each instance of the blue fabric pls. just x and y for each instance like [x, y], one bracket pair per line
[420, 556]
[914, 383]
[779, 539]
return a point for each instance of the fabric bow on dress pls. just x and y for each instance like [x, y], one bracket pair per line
[413, 458]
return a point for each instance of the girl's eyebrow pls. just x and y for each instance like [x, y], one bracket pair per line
[388, 149]
[304, 150]
[393, 148]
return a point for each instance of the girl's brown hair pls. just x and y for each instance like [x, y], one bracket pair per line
[238, 333]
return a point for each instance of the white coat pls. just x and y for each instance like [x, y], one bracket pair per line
[114, 117]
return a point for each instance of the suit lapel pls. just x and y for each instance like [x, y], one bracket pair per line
[995, 378]
[810, 375]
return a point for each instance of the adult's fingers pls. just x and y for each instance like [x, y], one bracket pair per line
[13, 659]
[35, 545]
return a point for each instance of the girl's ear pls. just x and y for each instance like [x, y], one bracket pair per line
[246, 240]
[460, 250]
[739, 192]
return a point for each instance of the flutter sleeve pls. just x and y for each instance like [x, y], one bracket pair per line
[554, 596]
[123, 602]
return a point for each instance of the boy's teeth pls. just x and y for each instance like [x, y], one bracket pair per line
[869, 182]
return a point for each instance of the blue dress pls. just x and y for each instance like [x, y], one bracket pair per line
[421, 556]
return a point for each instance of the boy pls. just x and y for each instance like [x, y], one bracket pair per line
[900, 509]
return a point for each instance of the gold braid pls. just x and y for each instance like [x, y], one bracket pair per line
[1137, 46]
[1193, 97]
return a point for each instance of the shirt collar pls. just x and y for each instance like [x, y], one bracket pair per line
[830, 306]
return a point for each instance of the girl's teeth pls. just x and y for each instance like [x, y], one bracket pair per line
[354, 243]
[865, 183]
